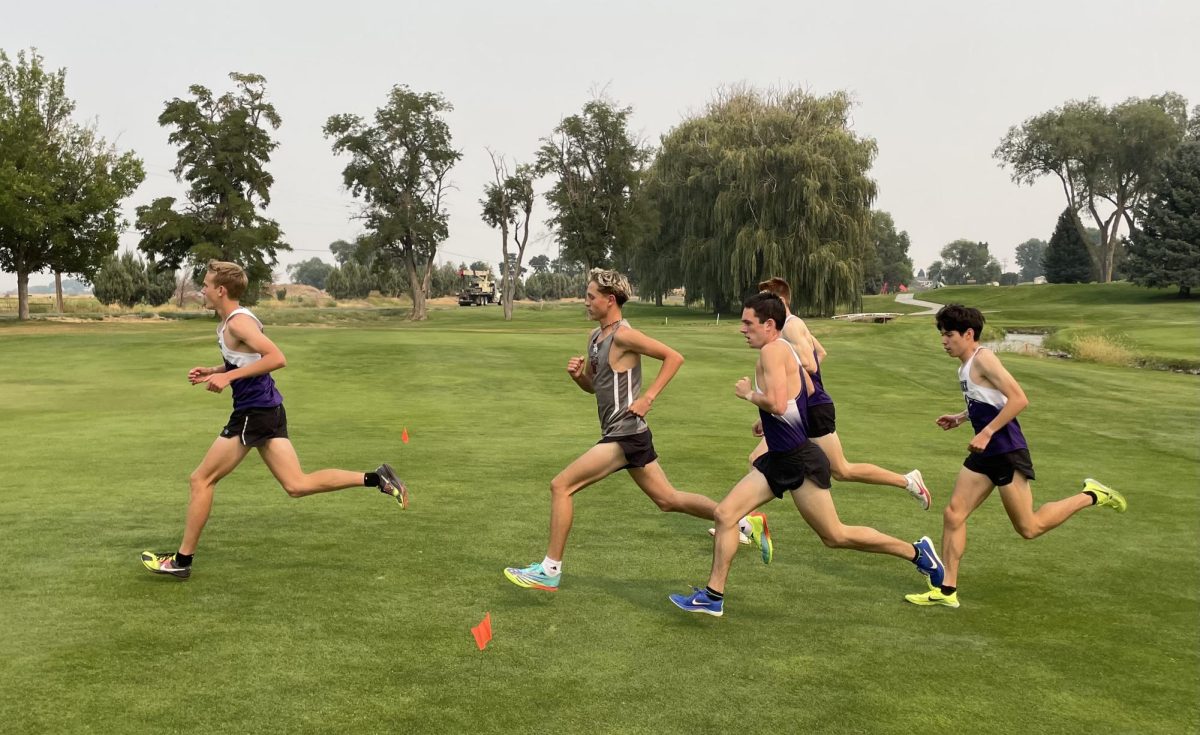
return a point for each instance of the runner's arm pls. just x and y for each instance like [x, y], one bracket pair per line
[634, 341]
[247, 331]
[991, 370]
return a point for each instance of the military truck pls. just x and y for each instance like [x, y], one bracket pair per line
[478, 288]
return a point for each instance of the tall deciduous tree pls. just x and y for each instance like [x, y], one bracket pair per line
[888, 262]
[1029, 258]
[61, 184]
[597, 166]
[1104, 157]
[768, 184]
[311, 272]
[1066, 259]
[399, 165]
[508, 205]
[966, 260]
[1165, 251]
[225, 145]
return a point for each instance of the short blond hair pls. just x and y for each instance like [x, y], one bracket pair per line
[611, 283]
[230, 275]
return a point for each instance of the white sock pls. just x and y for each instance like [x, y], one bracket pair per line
[553, 567]
[744, 527]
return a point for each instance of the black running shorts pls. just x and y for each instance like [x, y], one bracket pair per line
[821, 420]
[638, 448]
[999, 468]
[786, 471]
[254, 426]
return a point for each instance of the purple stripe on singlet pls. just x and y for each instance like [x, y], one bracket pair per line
[257, 391]
[1008, 439]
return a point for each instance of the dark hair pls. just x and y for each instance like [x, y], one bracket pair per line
[767, 305]
[777, 286]
[959, 318]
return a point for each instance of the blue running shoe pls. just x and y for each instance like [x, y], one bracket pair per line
[699, 602]
[928, 562]
[533, 577]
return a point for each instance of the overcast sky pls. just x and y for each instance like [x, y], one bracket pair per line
[936, 83]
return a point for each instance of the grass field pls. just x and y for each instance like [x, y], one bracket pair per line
[341, 614]
[1155, 325]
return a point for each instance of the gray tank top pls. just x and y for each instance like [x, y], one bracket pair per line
[614, 391]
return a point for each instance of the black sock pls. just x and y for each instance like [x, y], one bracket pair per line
[916, 554]
[371, 479]
[183, 560]
[1094, 498]
[714, 594]
[947, 590]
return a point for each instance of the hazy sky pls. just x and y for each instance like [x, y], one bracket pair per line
[937, 84]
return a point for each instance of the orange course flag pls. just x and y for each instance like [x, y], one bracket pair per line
[404, 435]
[483, 632]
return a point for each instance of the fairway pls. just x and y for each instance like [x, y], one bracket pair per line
[339, 613]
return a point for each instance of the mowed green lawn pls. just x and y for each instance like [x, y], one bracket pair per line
[342, 614]
[1155, 324]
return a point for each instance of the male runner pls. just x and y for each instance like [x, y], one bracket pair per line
[258, 420]
[612, 370]
[792, 464]
[998, 455]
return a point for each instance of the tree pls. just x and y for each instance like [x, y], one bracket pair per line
[224, 146]
[889, 262]
[540, 263]
[597, 166]
[936, 272]
[656, 262]
[1165, 251]
[398, 167]
[129, 280]
[921, 273]
[1066, 259]
[508, 205]
[114, 283]
[350, 281]
[61, 184]
[1029, 258]
[311, 272]
[1104, 157]
[767, 184]
[965, 260]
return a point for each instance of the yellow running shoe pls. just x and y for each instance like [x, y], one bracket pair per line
[761, 534]
[165, 564]
[934, 597]
[1105, 495]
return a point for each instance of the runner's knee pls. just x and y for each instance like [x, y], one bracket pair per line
[725, 516]
[835, 538]
[1028, 529]
[295, 487]
[666, 502]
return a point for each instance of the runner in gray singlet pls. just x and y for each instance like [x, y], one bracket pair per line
[612, 370]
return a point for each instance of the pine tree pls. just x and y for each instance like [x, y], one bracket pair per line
[1165, 251]
[1066, 259]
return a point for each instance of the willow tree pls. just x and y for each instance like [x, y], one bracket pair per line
[767, 184]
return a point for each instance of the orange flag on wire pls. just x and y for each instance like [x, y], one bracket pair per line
[404, 435]
[483, 632]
